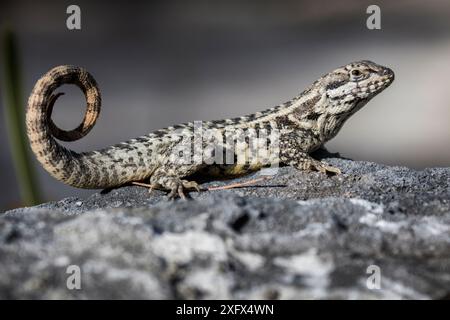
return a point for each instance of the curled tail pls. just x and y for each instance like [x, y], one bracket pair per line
[97, 169]
[61, 163]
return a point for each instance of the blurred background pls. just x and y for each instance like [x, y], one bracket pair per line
[161, 63]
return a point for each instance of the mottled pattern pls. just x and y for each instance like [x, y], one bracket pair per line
[304, 124]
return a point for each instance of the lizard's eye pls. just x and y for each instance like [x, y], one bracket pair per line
[356, 75]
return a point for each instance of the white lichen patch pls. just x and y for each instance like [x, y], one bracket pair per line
[314, 268]
[314, 229]
[373, 220]
[181, 248]
[431, 227]
[373, 216]
[251, 261]
[371, 207]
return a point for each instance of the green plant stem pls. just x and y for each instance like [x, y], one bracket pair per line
[15, 121]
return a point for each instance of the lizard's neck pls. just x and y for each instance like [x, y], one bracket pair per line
[309, 117]
[332, 123]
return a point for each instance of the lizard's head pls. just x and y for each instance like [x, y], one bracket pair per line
[343, 92]
[349, 87]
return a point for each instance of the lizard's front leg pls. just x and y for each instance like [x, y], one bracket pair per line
[303, 161]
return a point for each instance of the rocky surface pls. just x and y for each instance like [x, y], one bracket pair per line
[296, 235]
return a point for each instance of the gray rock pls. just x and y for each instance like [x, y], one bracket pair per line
[295, 235]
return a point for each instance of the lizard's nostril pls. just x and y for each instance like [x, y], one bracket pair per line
[387, 72]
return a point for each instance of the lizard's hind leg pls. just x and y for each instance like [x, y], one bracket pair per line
[174, 184]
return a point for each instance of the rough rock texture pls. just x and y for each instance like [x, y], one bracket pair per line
[296, 235]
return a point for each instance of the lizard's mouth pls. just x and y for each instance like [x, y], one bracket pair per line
[389, 73]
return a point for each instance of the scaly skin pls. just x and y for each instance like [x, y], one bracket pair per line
[304, 124]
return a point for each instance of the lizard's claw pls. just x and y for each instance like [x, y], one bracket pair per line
[191, 185]
[177, 191]
[180, 186]
[151, 187]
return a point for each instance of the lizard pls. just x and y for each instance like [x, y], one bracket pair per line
[304, 123]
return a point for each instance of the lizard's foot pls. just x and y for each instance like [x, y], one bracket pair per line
[323, 167]
[178, 187]
[303, 161]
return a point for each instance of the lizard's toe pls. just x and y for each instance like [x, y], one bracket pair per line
[176, 193]
[323, 167]
[179, 187]
[332, 169]
[181, 192]
[191, 185]
[172, 194]
[152, 187]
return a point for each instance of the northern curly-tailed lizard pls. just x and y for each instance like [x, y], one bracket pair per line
[302, 125]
